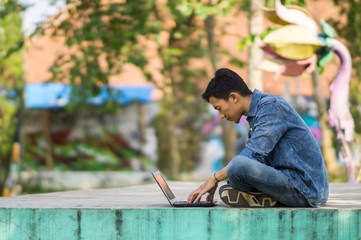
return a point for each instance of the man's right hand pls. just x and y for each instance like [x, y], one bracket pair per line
[208, 187]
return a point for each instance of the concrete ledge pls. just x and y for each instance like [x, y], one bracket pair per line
[70, 180]
[141, 212]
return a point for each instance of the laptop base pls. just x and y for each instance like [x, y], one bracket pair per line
[198, 204]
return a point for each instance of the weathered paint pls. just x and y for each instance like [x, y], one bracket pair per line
[173, 223]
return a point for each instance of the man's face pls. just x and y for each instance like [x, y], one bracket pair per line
[231, 110]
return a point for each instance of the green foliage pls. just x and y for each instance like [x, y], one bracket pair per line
[7, 112]
[351, 33]
[355, 101]
[249, 40]
[10, 35]
[102, 36]
[271, 3]
[11, 78]
[7, 127]
[236, 62]
[185, 8]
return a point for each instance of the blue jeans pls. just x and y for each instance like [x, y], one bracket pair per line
[250, 175]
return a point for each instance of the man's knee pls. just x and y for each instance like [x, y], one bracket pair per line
[237, 167]
[240, 167]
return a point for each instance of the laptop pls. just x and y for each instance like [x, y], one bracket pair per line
[171, 197]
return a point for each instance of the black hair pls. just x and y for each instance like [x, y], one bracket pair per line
[223, 83]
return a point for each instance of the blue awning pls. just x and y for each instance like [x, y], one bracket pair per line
[57, 95]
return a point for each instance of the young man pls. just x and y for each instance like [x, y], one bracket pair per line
[282, 162]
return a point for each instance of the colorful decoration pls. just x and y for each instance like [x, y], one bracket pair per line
[296, 47]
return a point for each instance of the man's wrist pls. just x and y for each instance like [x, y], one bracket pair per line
[215, 178]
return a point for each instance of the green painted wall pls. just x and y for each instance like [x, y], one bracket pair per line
[172, 223]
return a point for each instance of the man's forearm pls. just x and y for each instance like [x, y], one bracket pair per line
[221, 175]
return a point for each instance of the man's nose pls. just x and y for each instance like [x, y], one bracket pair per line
[221, 115]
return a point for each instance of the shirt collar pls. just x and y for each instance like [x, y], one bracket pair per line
[254, 102]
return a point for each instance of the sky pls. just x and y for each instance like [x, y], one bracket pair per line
[38, 11]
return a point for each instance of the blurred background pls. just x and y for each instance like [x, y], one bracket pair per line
[96, 94]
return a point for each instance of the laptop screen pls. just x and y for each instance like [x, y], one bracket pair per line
[164, 186]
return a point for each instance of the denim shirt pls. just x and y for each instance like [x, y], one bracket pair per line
[279, 137]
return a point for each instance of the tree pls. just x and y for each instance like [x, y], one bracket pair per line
[118, 32]
[255, 53]
[182, 106]
[195, 33]
[11, 79]
[229, 134]
[101, 37]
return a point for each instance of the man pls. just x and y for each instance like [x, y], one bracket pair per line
[282, 162]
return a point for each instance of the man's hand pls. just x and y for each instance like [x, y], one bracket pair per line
[208, 187]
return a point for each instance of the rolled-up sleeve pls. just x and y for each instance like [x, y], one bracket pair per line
[269, 126]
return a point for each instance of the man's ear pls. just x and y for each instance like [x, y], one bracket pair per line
[234, 96]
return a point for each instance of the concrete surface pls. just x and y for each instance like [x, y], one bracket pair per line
[142, 212]
[342, 196]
